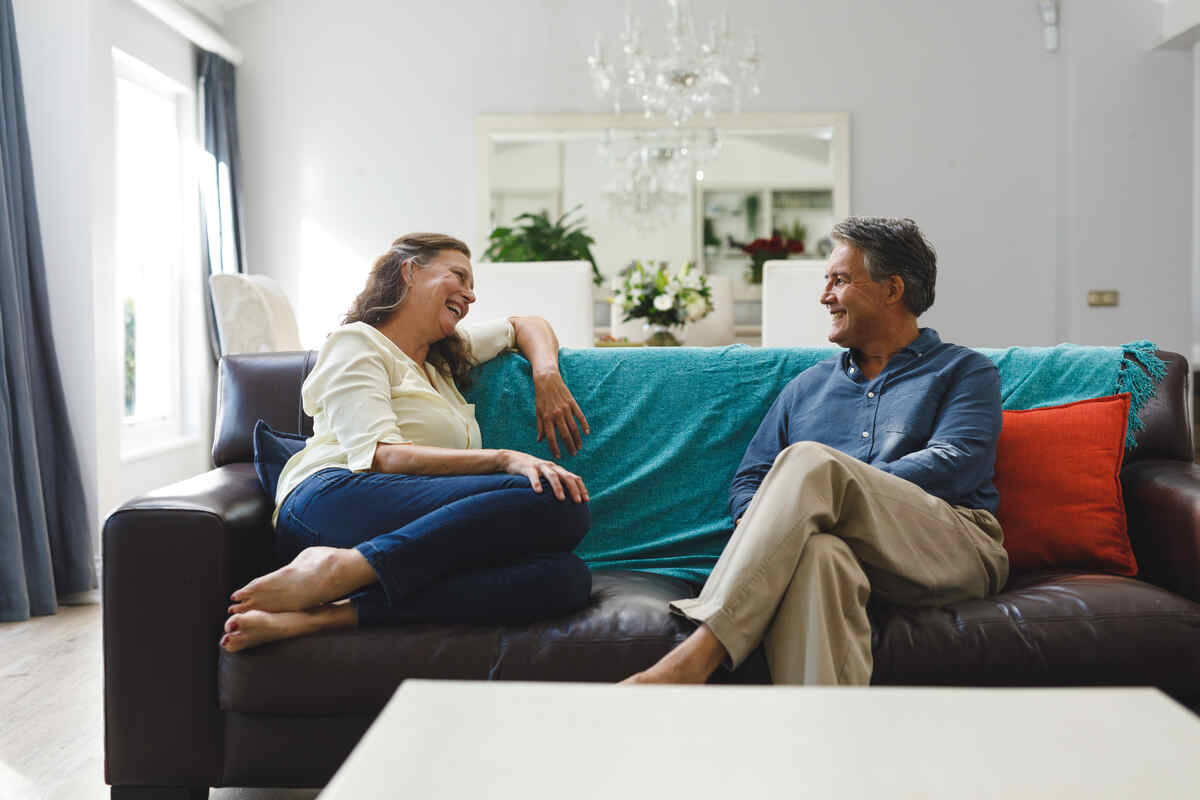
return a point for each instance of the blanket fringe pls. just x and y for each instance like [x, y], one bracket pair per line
[1141, 372]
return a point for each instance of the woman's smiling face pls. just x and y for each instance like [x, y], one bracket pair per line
[442, 290]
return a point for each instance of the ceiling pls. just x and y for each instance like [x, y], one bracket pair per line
[215, 10]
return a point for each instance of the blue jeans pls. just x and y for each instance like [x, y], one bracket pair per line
[481, 549]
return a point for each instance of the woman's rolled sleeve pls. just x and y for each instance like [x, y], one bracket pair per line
[488, 339]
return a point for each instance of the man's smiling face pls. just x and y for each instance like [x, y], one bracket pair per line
[856, 303]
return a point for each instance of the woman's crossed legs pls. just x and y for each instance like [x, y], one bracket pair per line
[479, 549]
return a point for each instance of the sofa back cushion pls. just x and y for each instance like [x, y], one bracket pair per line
[659, 491]
[669, 427]
[258, 386]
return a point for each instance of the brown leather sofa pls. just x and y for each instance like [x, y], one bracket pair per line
[181, 715]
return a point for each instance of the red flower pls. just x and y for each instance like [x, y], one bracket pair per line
[776, 246]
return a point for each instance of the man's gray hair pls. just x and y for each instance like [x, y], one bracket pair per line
[892, 246]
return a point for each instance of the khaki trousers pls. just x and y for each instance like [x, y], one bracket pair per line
[823, 531]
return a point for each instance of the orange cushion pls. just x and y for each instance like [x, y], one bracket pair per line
[1057, 471]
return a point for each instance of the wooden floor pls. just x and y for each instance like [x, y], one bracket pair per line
[51, 712]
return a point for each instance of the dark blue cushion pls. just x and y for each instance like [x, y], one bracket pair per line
[272, 449]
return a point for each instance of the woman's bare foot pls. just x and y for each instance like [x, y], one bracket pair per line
[317, 576]
[693, 661]
[252, 628]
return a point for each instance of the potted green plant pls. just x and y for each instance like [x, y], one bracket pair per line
[533, 237]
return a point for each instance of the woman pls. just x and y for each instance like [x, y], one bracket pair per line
[392, 502]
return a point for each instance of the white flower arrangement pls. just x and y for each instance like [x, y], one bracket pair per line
[661, 298]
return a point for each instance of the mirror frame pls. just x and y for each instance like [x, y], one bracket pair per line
[488, 124]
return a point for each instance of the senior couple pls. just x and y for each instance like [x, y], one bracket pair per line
[871, 473]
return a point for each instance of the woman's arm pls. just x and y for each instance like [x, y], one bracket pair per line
[557, 410]
[415, 459]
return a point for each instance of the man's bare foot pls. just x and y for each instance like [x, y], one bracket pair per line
[252, 628]
[666, 673]
[318, 575]
[693, 661]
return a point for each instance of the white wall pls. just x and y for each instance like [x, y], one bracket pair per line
[1128, 199]
[66, 62]
[1037, 175]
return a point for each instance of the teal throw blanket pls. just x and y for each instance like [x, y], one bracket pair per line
[670, 425]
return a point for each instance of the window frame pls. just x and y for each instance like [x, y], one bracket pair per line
[143, 437]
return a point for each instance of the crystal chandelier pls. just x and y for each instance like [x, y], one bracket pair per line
[654, 167]
[653, 172]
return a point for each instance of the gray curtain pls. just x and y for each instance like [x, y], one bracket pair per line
[45, 536]
[224, 244]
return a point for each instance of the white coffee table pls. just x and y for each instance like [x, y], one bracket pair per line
[467, 739]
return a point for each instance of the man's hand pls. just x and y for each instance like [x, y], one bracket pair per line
[557, 412]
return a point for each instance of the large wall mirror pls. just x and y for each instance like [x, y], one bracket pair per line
[772, 174]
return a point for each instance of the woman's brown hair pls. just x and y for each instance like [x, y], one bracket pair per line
[386, 288]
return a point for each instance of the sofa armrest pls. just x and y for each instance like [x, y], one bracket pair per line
[171, 560]
[1162, 502]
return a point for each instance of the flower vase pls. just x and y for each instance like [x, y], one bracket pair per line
[662, 336]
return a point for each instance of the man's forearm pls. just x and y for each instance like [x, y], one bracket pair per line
[945, 470]
[961, 452]
[742, 492]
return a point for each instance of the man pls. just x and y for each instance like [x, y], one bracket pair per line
[872, 472]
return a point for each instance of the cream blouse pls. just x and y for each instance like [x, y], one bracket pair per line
[364, 390]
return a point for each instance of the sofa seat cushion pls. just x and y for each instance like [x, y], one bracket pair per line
[625, 628]
[1048, 628]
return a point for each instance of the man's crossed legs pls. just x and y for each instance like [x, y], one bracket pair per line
[824, 531]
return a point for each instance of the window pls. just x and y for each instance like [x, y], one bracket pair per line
[152, 242]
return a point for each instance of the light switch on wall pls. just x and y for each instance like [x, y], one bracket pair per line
[1103, 297]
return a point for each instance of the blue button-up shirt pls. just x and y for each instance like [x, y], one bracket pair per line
[932, 416]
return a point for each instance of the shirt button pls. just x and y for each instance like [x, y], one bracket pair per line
[870, 394]
[850, 370]
[865, 434]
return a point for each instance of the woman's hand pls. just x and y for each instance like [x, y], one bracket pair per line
[537, 469]
[557, 412]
